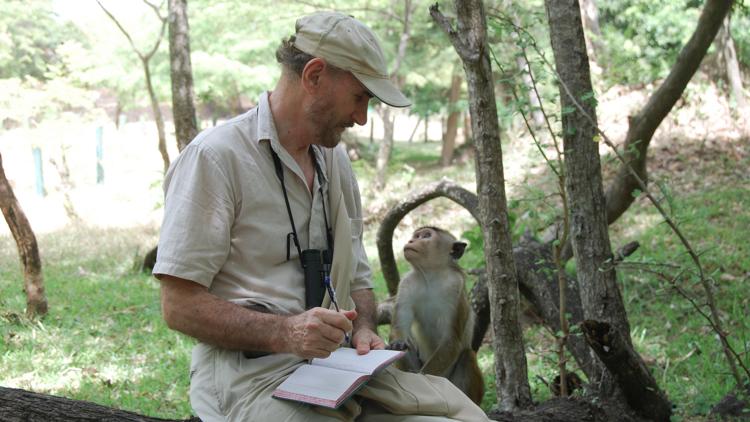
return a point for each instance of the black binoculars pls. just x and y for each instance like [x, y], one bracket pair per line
[316, 264]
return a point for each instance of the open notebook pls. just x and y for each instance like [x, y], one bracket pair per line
[329, 382]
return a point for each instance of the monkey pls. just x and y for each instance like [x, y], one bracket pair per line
[432, 319]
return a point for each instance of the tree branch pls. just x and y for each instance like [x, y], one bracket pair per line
[446, 25]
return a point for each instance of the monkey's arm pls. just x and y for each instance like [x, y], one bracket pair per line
[364, 333]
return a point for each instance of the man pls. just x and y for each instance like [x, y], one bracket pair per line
[243, 201]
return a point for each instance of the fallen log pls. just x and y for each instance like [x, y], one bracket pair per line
[26, 406]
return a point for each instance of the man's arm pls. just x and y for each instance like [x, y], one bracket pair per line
[190, 308]
[364, 336]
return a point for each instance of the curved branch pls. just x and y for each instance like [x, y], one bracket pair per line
[641, 128]
[384, 239]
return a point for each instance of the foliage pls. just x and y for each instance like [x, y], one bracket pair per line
[29, 102]
[643, 37]
[30, 39]
[740, 28]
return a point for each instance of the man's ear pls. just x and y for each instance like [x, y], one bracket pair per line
[312, 74]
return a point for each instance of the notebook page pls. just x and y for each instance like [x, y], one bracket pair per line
[348, 359]
[317, 384]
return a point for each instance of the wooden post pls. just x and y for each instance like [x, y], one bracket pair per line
[99, 154]
[37, 152]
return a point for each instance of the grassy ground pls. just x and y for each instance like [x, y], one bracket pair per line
[104, 339]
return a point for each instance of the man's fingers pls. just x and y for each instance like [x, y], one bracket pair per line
[332, 334]
[337, 319]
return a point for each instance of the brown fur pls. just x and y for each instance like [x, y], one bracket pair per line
[432, 316]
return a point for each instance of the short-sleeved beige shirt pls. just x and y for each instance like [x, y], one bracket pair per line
[226, 224]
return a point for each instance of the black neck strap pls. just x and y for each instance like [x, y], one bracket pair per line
[292, 237]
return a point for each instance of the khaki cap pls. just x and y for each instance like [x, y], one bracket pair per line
[349, 45]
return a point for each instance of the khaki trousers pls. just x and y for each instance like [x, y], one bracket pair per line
[226, 386]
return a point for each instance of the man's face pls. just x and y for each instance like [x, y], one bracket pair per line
[342, 103]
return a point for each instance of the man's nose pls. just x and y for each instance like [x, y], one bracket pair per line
[360, 114]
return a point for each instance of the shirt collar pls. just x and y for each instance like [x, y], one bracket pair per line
[267, 131]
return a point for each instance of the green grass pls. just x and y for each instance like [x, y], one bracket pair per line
[104, 339]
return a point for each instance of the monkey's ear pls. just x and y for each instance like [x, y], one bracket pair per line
[457, 251]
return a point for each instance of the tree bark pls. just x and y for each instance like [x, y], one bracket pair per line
[183, 95]
[643, 125]
[469, 39]
[26, 406]
[589, 234]
[634, 378]
[28, 250]
[449, 138]
[600, 295]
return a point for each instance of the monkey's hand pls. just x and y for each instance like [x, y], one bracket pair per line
[364, 339]
[400, 345]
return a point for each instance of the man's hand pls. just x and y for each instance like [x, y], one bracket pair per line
[317, 332]
[365, 340]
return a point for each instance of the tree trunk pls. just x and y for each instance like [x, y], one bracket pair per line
[643, 125]
[470, 42]
[26, 406]
[181, 72]
[384, 154]
[386, 146]
[449, 138]
[467, 127]
[157, 116]
[635, 380]
[416, 127]
[28, 251]
[590, 17]
[728, 58]
[600, 295]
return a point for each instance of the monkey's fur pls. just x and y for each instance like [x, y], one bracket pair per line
[432, 316]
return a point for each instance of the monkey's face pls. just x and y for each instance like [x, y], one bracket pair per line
[422, 245]
[430, 247]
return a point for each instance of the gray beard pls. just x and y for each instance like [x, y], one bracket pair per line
[326, 130]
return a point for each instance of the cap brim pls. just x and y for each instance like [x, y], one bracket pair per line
[384, 90]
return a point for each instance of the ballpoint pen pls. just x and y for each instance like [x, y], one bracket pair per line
[332, 294]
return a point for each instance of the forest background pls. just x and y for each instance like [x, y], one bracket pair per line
[80, 148]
